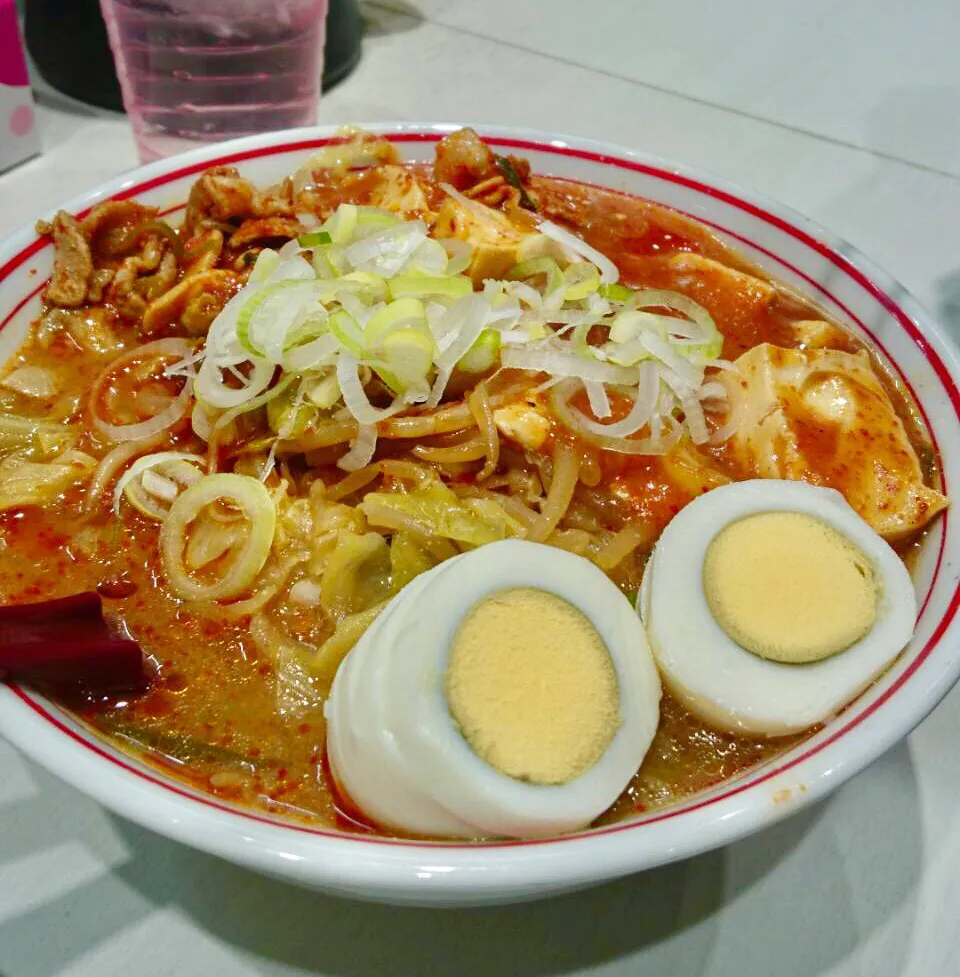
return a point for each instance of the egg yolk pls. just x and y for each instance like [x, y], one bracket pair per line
[788, 587]
[532, 687]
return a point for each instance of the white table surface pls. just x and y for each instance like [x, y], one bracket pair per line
[845, 109]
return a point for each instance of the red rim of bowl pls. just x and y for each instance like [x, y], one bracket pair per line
[766, 771]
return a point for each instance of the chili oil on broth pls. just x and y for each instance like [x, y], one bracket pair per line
[211, 716]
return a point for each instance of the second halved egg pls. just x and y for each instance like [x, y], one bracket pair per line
[772, 604]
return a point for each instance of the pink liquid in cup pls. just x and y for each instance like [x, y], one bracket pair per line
[200, 71]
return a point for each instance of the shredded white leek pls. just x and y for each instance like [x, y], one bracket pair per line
[369, 293]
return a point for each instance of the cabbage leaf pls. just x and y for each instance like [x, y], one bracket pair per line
[436, 510]
[24, 482]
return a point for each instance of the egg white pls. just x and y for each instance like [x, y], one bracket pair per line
[396, 750]
[361, 747]
[714, 677]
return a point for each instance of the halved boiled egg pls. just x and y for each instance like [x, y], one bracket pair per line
[772, 604]
[508, 692]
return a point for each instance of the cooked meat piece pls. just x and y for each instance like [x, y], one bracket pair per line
[464, 159]
[221, 194]
[107, 227]
[275, 201]
[128, 290]
[87, 329]
[191, 305]
[264, 228]
[72, 263]
[494, 192]
[99, 281]
[203, 251]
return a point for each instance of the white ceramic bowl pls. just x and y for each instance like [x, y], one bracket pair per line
[791, 249]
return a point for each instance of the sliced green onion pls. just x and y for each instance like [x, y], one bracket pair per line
[482, 355]
[211, 389]
[581, 346]
[460, 255]
[260, 400]
[312, 355]
[711, 341]
[382, 370]
[421, 286]
[142, 465]
[628, 325]
[313, 327]
[355, 397]
[314, 238]
[547, 267]
[237, 491]
[373, 219]
[401, 312]
[346, 330]
[342, 223]
[616, 293]
[287, 418]
[266, 264]
[627, 354]
[255, 303]
[581, 279]
[323, 392]
[365, 283]
[409, 353]
[608, 270]
[328, 261]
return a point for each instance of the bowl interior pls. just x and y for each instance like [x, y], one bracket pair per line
[790, 249]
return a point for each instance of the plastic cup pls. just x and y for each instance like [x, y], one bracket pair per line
[200, 71]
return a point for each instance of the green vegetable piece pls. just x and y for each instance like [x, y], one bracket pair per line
[347, 332]
[422, 286]
[582, 279]
[285, 419]
[313, 239]
[616, 293]
[434, 510]
[547, 267]
[509, 171]
[483, 354]
[407, 560]
[177, 746]
[399, 313]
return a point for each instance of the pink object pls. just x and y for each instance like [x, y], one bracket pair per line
[13, 62]
[18, 134]
[21, 120]
[200, 71]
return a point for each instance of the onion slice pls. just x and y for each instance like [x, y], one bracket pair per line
[167, 349]
[361, 450]
[215, 393]
[146, 463]
[544, 358]
[639, 415]
[609, 273]
[355, 397]
[658, 443]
